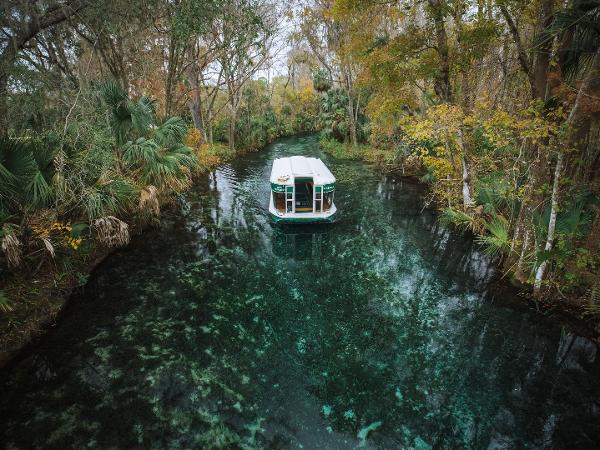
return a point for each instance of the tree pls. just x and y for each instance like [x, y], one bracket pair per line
[243, 31]
[21, 22]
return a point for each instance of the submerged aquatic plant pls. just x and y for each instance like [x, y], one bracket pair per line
[364, 432]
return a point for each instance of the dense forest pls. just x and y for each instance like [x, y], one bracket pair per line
[495, 105]
[108, 110]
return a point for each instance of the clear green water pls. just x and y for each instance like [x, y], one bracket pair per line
[379, 331]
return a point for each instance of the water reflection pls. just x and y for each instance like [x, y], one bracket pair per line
[301, 242]
[381, 330]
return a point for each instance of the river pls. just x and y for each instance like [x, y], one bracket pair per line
[382, 330]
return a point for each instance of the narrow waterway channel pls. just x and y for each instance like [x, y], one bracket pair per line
[380, 331]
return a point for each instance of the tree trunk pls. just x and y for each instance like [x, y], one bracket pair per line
[171, 80]
[522, 55]
[551, 225]
[466, 187]
[232, 119]
[195, 104]
[442, 79]
[209, 126]
[543, 51]
[3, 100]
[352, 124]
[524, 247]
[350, 113]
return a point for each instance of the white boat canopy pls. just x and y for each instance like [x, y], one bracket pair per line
[286, 170]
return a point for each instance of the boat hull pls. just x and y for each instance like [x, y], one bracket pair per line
[297, 218]
[291, 218]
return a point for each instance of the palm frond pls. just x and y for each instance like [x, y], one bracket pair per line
[149, 204]
[142, 151]
[457, 218]
[170, 132]
[493, 193]
[185, 156]
[142, 113]
[126, 115]
[106, 199]
[111, 231]
[496, 241]
[18, 173]
[38, 190]
[11, 246]
[5, 303]
[580, 23]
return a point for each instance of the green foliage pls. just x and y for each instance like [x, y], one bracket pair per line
[333, 117]
[158, 154]
[91, 171]
[81, 278]
[340, 150]
[5, 303]
[24, 176]
[493, 192]
[126, 116]
[460, 219]
[496, 240]
[111, 198]
[580, 21]
[268, 112]
[321, 80]
[576, 216]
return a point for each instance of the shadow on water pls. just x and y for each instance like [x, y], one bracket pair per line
[381, 330]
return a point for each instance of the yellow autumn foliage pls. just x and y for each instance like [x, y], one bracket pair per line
[439, 167]
[209, 156]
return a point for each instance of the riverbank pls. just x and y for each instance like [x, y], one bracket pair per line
[569, 310]
[35, 294]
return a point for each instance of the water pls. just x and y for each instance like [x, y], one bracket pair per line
[382, 330]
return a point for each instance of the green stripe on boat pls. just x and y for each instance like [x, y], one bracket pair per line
[328, 219]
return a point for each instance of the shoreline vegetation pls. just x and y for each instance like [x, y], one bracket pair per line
[72, 200]
[571, 310]
[495, 107]
[38, 297]
[51, 270]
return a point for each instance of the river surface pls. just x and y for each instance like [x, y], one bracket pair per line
[220, 329]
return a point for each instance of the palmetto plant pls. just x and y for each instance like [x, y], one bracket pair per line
[460, 219]
[126, 116]
[95, 175]
[154, 154]
[494, 193]
[496, 241]
[578, 24]
[5, 304]
[25, 175]
[161, 159]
